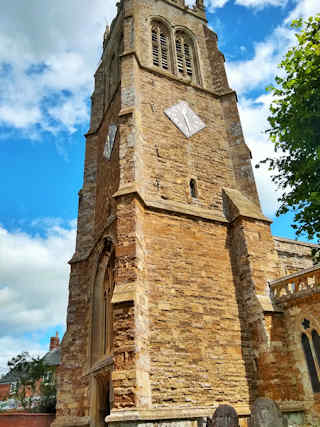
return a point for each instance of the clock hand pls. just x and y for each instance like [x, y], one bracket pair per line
[187, 122]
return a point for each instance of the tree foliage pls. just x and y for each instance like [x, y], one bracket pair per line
[33, 378]
[295, 129]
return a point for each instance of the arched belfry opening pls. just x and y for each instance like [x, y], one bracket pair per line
[161, 46]
[186, 56]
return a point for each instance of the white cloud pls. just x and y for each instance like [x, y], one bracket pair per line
[11, 346]
[258, 71]
[47, 48]
[254, 4]
[263, 66]
[71, 112]
[304, 9]
[214, 4]
[255, 74]
[253, 114]
[34, 278]
[260, 4]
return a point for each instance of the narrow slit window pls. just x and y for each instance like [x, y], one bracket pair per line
[160, 46]
[193, 188]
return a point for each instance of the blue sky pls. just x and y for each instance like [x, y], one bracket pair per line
[48, 54]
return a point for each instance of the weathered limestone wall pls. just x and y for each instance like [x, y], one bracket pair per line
[142, 318]
[87, 200]
[254, 262]
[219, 81]
[169, 160]
[107, 76]
[108, 171]
[239, 152]
[124, 372]
[124, 348]
[215, 157]
[196, 331]
[279, 376]
[294, 255]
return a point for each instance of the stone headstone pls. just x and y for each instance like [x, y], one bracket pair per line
[224, 416]
[266, 413]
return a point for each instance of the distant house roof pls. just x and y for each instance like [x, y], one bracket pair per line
[52, 358]
[9, 378]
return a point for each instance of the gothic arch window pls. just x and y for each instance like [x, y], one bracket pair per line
[102, 318]
[311, 347]
[107, 306]
[161, 55]
[186, 56]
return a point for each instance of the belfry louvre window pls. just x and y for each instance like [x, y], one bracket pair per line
[185, 56]
[160, 46]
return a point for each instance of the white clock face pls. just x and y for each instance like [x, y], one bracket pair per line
[112, 131]
[185, 119]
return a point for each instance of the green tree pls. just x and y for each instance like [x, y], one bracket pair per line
[295, 129]
[33, 378]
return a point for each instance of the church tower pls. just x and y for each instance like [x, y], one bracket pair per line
[173, 253]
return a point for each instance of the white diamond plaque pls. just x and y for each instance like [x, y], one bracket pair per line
[112, 131]
[185, 119]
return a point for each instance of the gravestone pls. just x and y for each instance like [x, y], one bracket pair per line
[224, 416]
[266, 413]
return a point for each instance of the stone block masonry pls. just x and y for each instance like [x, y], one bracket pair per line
[169, 312]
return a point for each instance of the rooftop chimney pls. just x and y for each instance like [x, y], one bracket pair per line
[54, 342]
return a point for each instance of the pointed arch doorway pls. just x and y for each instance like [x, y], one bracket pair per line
[102, 399]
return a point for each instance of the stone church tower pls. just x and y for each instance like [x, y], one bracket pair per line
[173, 255]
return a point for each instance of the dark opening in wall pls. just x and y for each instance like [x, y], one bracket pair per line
[193, 188]
[316, 344]
[310, 363]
